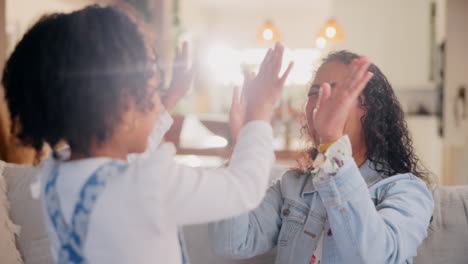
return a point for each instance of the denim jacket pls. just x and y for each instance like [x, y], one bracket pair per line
[365, 217]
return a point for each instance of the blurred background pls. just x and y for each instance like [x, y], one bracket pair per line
[419, 44]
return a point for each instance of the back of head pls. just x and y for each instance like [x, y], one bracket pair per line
[70, 76]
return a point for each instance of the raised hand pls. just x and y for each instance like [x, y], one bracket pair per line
[333, 106]
[264, 90]
[182, 77]
[238, 107]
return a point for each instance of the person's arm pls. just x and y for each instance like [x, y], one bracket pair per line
[186, 195]
[182, 76]
[194, 195]
[250, 234]
[363, 232]
[213, 194]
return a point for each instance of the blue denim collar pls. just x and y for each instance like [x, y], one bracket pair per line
[368, 172]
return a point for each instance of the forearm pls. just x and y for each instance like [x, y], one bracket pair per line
[249, 234]
[392, 229]
[224, 192]
[169, 101]
[226, 240]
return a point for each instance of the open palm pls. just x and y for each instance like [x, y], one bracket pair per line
[333, 106]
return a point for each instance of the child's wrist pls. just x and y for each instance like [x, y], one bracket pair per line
[169, 101]
[258, 114]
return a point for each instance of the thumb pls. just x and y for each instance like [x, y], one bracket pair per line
[235, 96]
[324, 94]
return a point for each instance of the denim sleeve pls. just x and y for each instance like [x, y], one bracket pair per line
[389, 232]
[250, 234]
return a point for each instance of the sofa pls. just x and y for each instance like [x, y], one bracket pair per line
[447, 240]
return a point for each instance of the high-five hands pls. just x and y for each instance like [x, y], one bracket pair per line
[182, 77]
[260, 91]
[333, 105]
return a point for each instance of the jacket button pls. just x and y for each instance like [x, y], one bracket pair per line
[286, 212]
[329, 232]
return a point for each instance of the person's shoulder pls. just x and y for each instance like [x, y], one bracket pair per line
[294, 175]
[401, 178]
[293, 179]
[163, 153]
[403, 183]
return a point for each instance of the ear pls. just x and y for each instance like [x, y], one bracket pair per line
[129, 115]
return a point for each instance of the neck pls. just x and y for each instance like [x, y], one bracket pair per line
[360, 160]
[105, 149]
[360, 155]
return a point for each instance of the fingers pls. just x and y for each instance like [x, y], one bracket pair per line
[265, 61]
[324, 95]
[177, 52]
[362, 83]
[185, 51]
[361, 70]
[273, 61]
[235, 97]
[286, 73]
[185, 55]
[277, 59]
[357, 71]
[354, 66]
[243, 101]
[248, 78]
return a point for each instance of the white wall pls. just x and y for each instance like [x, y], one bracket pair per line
[427, 143]
[21, 14]
[238, 24]
[456, 138]
[26, 12]
[393, 34]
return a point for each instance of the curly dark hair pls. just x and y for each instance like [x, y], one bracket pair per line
[389, 144]
[71, 77]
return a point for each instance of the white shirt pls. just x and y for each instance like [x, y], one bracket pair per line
[136, 218]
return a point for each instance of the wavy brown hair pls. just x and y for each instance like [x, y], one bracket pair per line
[389, 144]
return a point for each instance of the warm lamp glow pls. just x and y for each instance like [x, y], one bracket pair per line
[321, 42]
[332, 32]
[226, 64]
[268, 33]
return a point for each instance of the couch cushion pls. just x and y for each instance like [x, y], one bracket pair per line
[447, 240]
[8, 251]
[26, 212]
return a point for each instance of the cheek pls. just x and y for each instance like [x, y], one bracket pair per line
[151, 116]
[148, 122]
[354, 123]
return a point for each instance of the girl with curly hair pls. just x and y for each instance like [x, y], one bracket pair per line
[358, 197]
